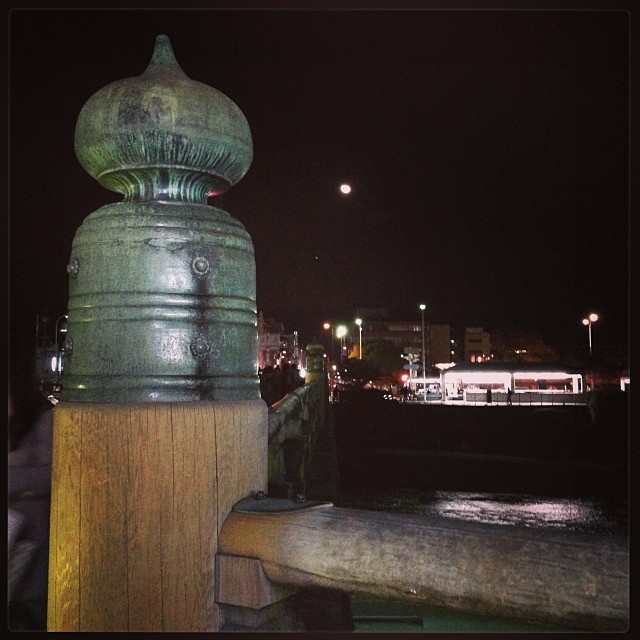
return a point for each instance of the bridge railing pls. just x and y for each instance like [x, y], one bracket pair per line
[463, 567]
[553, 578]
[159, 518]
[294, 423]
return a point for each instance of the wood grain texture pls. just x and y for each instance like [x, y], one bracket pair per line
[63, 611]
[241, 582]
[576, 580]
[139, 495]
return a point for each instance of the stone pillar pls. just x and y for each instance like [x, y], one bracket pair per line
[160, 428]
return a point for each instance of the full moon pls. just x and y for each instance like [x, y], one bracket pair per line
[345, 188]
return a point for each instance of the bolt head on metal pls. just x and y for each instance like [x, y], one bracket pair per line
[200, 347]
[200, 265]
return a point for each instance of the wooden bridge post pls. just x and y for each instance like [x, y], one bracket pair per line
[323, 481]
[140, 495]
[160, 428]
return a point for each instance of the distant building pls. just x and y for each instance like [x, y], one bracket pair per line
[290, 351]
[517, 383]
[269, 332]
[407, 335]
[443, 344]
[503, 384]
[275, 348]
[477, 345]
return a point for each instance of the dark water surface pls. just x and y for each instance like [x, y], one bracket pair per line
[565, 468]
[509, 509]
[561, 469]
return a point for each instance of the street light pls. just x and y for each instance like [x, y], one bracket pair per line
[341, 332]
[424, 353]
[359, 323]
[587, 322]
[327, 326]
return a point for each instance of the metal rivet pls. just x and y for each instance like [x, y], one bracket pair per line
[73, 267]
[200, 265]
[200, 347]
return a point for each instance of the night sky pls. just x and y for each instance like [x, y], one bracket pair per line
[487, 152]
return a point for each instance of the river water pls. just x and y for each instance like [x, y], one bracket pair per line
[580, 514]
[509, 467]
[506, 467]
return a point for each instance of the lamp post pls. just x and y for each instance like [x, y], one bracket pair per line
[341, 332]
[587, 322]
[359, 323]
[424, 353]
[327, 326]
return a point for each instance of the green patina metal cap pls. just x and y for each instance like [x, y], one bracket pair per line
[163, 136]
[162, 285]
[315, 357]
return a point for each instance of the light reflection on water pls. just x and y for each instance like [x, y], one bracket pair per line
[520, 510]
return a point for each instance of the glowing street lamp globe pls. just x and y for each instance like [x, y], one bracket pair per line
[587, 322]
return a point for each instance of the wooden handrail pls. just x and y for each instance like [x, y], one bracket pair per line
[577, 581]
